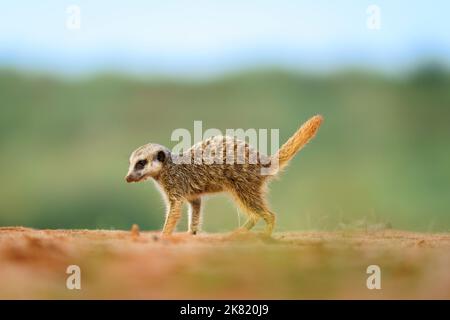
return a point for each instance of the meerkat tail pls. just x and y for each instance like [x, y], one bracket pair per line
[306, 132]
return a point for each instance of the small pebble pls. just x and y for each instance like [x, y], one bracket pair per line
[135, 230]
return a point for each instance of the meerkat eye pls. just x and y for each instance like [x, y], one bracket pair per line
[161, 156]
[140, 164]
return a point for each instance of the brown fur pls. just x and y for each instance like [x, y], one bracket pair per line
[298, 140]
[242, 178]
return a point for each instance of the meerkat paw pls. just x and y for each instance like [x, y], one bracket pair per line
[240, 234]
[176, 237]
[243, 234]
[165, 236]
[266, 237]
[240, 231]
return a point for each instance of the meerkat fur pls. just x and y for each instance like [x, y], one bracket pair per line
[183, 181]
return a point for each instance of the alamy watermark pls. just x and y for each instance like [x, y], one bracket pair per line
[236, 146]
[73, 281]
[73, 20]
[374, 280]
[373, 21]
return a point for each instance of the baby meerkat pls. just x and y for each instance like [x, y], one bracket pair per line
[217, 164]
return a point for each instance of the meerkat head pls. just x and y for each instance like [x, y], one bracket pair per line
[147, 162]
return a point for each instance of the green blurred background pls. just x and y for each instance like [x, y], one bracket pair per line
[83, 83]
[381, 158]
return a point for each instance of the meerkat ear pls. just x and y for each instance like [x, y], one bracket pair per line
[161, 156]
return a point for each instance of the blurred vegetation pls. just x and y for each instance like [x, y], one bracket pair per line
[381, 158]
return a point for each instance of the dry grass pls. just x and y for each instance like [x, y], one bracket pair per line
[134, 264]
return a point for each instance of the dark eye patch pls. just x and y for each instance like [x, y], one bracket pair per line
[161, 156]
[140, 164]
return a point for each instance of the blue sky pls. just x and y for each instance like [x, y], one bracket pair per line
[179, 37]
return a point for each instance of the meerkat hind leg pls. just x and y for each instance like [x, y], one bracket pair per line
[256, 208]
[194, 215]
[251, 221]
[269, 218]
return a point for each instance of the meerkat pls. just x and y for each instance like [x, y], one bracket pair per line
[183, 178]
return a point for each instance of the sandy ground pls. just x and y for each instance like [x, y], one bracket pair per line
[295, 265]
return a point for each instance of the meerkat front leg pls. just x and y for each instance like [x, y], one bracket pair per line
[269, 218]
[172, 217]
[195, 215]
